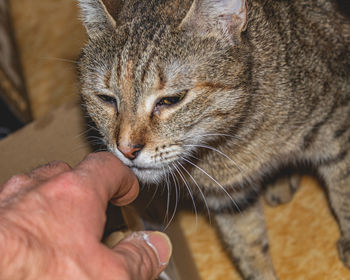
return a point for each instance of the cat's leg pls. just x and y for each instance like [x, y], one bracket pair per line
[245, 235]
[337, 179]
[282, 190]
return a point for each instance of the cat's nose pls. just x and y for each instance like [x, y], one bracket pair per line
[130, 151]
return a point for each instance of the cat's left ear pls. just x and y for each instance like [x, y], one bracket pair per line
[99, 16]
[226, 18]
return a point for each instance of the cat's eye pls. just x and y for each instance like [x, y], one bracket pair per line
[107, 99]
[170, 100]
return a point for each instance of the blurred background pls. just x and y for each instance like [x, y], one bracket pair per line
[39, 44]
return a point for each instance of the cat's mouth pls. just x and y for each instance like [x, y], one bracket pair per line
[147, 174]
[134, 166]
[145, 170]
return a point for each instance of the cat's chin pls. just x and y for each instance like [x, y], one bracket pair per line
[149, 176]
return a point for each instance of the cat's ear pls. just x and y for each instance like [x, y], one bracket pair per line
[99, 16]
[226, 18]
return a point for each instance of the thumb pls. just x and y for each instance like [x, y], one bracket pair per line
[144, 254]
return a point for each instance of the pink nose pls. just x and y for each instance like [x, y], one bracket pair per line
[131, 152]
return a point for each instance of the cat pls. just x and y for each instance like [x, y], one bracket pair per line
[223, 93]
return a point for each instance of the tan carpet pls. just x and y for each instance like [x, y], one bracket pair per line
[302, 240]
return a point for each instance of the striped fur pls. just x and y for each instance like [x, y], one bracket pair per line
[266, 85]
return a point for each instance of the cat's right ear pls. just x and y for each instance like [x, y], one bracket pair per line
[221, 18]
[99, 16]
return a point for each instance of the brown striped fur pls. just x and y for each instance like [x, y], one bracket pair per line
[265, 85]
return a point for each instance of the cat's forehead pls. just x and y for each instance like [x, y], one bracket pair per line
[135, 62]
[146, 55]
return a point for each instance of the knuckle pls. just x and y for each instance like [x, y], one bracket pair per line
[71, 184]
[92, 157]
[49, 170]
[146, 264]
[124, 271]
[18, 179]
[60, 165]
[65, 183]
[68, 178]
[140, 262]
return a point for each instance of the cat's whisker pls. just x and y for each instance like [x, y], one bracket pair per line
[154, 193]
[188, 189]
[60, 59]
[247, 178]
[100, 150]
[79, 147]
[221, 134]
[199, 189]
[235, 137]
[166, 216]
[95, 141]
[91, 127]
[217, 151]
[83, 147]
[83, 133]
[94, 137]
[86, 132]
[190, 153]
[235, 164]
[215, 181]
[174, 178]
[176, 199]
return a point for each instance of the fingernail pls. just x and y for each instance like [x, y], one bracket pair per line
[161, 244]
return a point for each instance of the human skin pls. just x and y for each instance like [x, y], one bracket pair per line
[52, 220]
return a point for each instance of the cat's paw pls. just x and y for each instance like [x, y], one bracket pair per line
[282, 190]
[344, 250]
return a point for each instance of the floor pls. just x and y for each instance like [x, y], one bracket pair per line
[302, 236]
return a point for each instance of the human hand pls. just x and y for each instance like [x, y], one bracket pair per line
[52, 220]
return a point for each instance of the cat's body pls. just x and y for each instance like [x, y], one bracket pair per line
[222, 93]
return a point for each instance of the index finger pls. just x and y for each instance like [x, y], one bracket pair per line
[109, 177]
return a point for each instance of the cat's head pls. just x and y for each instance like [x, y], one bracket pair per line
[161, 78]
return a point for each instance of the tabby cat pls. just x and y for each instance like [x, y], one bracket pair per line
[224, 93]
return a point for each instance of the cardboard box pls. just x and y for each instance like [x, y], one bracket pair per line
[61, 136]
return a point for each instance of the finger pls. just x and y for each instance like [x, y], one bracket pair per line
[23, 182]
[110, 177]
[49, 170]
[144, 255]
[115, 237]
